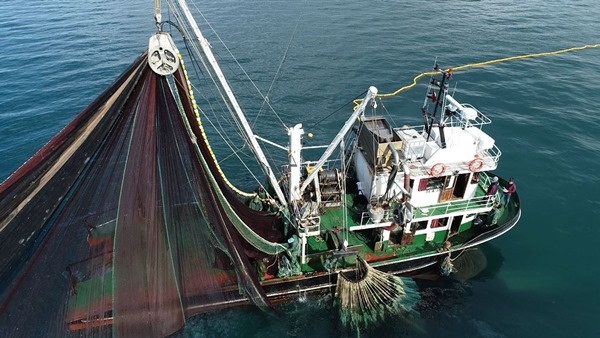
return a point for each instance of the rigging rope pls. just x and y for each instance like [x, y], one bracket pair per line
[358, 97]
[266, 97]
[195, 107]
[414, 83]
[184, 30]
[234, 119]
[238, 64]
[228, 142]
[482, 64]
[254, 239]
[199, 120]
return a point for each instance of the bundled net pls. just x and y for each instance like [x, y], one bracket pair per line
[368, 296]
[469, 264]
[117, 227]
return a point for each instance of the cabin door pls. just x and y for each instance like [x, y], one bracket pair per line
[460, 187]
[448, 189]
[454, 187]
[455, 225]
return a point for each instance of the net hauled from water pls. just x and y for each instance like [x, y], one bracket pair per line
[370, 296]
[121, 227]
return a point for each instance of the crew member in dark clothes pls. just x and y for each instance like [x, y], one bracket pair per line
[493, 188]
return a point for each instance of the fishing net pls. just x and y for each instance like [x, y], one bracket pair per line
[469, 264]
[119, 226]
[369, 296]
[261, 235]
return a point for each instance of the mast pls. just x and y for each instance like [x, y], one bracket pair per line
[438, 101]
[238, 110]
[371, 94]
[157, 13]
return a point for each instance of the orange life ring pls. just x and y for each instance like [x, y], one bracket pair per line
[391, 227]
[438, 169]
[476, 165]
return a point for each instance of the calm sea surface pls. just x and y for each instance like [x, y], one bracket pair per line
[542, 277]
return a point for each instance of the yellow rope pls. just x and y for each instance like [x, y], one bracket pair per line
[481, 64]
[398, 91]
[197, 112]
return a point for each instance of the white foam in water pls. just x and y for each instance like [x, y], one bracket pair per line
[486, 330]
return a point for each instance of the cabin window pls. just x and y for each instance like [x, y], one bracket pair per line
[423, 184]
[450, 182]
[422, 225]
[431, 183]
[439, 223]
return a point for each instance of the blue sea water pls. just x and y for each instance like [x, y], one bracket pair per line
[542, 277]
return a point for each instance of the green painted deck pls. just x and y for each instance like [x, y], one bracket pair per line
[365, 242]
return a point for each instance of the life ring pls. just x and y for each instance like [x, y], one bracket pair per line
[476, 165]
[391, 227]
[438, 169]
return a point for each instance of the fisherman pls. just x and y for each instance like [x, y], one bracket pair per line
[256, 203]
[497, 213]
[289, 265]
[508, 190]
[261, 192]
[260, 201]
[493, 188]
[293, 247]
[491, 192]
[262, 268]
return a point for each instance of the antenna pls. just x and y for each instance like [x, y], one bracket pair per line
[438, 100]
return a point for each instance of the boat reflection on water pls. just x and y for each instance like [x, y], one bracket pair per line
[441, 294]
[318, 313]
[469, 265]
[477, 263]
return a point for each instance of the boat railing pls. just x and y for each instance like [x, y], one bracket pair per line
[369, 217]
[475, 204]
[310, 226]
[309, 165]
[494, 232]
[457, 121]
[484, 180]
[478, 121]
[490, 158]
[489, 155]
[329, 164]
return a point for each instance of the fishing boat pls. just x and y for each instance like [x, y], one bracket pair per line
[130, 212]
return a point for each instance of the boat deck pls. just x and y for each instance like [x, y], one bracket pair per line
[367, 243]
